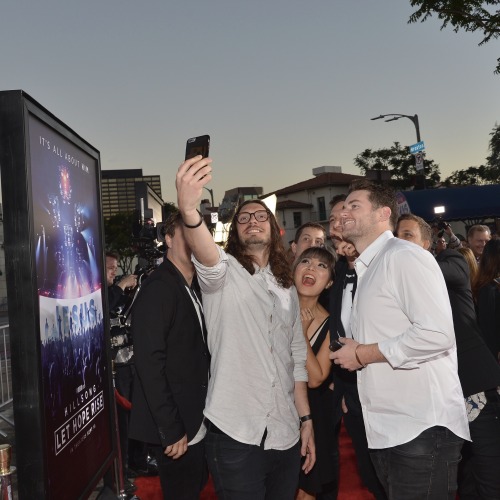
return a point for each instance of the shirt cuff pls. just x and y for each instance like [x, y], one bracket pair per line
[395, 356]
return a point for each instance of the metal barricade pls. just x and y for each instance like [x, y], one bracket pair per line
[5, 372]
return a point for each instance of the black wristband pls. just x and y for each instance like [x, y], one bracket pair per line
[196, 225]
[305, 418]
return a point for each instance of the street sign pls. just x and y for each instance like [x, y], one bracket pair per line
[419, 161]
[415, 148]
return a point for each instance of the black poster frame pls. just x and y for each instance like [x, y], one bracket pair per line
[90, 414]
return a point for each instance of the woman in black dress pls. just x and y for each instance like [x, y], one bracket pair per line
[313, 273]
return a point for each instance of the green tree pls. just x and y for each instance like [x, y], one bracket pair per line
[118, 238]
[469, 15]
[466, 177]
[168, 209]
[484, 174]
[493, 160]
[400, 163]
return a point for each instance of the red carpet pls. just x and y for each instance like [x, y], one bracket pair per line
[350, 488]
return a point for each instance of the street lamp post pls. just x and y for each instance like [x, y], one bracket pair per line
[396, 116]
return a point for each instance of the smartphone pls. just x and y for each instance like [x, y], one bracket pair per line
[336, 345]
[197, 146]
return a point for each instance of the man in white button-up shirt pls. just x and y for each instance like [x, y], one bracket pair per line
[259, 423]
[404, 348]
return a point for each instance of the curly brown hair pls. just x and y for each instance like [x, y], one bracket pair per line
[277, 255]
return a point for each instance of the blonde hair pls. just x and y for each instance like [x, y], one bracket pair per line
[471, 261]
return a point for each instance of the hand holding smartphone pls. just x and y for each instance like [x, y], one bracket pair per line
[335, 345]
[197, 146]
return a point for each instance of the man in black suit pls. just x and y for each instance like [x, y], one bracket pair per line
[478, 370]
[172, 369]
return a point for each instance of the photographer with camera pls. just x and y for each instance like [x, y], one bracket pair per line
[439, 229]
[122, 352]
[116, 291]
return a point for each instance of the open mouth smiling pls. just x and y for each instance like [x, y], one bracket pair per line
[308, 280]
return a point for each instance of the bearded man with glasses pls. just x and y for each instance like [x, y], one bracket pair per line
[257, 413]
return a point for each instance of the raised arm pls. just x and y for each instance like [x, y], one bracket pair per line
[192, 176]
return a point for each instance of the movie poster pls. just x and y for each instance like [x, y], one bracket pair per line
[72, 342]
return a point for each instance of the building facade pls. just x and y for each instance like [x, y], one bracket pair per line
[309, 200]
[122, 191]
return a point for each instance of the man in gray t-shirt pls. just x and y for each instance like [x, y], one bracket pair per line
[258, 418]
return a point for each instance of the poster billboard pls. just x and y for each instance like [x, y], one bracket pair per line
[53, 226]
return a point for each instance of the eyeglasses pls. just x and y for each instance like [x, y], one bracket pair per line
[259, 215]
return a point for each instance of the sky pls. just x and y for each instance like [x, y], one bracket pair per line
[281, 86]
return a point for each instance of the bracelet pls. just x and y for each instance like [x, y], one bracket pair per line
[305, 418]
[357, 357]
[196, 225]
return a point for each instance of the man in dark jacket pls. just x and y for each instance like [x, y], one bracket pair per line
[122, 354]
[172, 369]
[478, 371]
[116, 290]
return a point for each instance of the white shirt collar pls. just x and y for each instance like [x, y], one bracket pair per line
[369, 253]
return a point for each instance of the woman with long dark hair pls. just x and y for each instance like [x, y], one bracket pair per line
[486, 292]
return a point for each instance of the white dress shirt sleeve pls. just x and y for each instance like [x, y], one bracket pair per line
[298, 344]
[212, 278]
[421, 293]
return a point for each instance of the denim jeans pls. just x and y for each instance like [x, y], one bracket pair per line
[424, 468]
[248, 472]
[479, 473]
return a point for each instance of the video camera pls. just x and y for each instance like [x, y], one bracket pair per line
[442, 226]
[120, 322]
[147, 239]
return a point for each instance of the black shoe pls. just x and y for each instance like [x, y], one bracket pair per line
[150, 471]
[152, 466]
[129, 487]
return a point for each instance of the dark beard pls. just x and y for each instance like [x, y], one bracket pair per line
[255, 241]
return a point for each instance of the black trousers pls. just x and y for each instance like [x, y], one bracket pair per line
[185, 477]
[479, 471]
